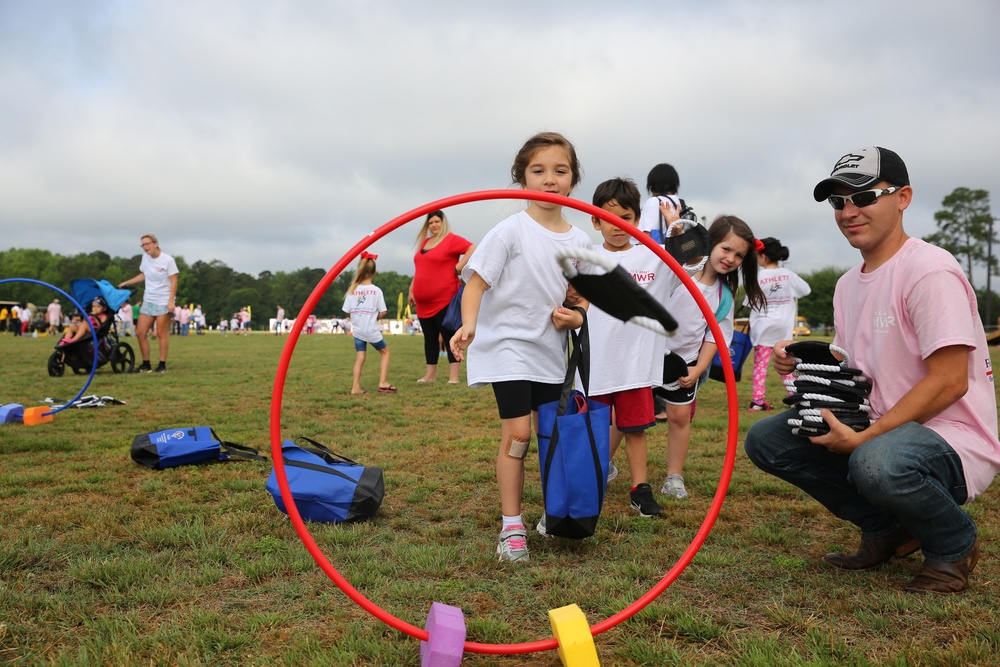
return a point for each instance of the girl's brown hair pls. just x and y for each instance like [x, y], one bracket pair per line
[539, 141]
[720, 229]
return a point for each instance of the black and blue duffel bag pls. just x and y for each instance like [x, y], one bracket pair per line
[174, 447]
[327, 487]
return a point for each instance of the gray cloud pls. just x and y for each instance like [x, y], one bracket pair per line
[274, 136]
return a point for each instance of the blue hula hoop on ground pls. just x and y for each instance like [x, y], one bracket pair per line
[93, 334]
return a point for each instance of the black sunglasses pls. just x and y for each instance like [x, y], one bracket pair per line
[859, 199]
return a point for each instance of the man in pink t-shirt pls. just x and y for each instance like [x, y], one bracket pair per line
[907, 317]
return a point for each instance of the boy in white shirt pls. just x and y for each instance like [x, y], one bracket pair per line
[626, 359]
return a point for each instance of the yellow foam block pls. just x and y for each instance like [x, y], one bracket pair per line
[35, 416]
[576, 644]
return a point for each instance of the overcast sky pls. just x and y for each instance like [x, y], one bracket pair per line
[273, 135]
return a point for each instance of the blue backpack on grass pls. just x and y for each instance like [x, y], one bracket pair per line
[327, 487]
[183, 446]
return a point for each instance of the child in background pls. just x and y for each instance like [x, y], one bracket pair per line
[626, 359]
[75, 330]
[781, 288]
[78, 329]
[732, 248]
[662, 208]
[662, 183]
[515, 315]
[365, 304]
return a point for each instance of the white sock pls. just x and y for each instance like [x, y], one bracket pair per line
[510, 521]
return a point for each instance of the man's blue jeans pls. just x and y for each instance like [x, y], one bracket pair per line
[909, 476]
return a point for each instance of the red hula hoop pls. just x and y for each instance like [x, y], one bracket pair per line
[320, 289]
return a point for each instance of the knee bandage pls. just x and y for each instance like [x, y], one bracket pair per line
[517, 448]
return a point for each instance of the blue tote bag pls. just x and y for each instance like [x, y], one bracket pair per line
[185, 446]
[453, 313]
[327, 487]
[739, 350]
[574, 452]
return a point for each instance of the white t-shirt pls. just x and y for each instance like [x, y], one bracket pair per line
[156, 274]
[893, 318]
[624, 355]
[364, 305]
[649, 216]
[515, 338]
[124, 313]
[781, 287]
[692, 329]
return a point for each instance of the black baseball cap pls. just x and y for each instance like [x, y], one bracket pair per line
[861, 168]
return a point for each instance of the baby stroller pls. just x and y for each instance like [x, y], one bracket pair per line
[79, 354]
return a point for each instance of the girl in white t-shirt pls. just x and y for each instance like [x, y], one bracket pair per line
[732, 255]
[515, 314]
[775, 321]
[365, 304]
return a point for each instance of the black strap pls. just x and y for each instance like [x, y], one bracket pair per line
[241, 451]
[663, 221]
[324, 452]
[579, 359]
[234, 449]
[318, 468]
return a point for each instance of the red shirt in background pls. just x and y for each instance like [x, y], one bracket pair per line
[434, 279]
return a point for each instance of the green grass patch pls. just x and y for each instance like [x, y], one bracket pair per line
[103, 562]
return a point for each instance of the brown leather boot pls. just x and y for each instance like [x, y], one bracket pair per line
[873, 554]
[944, 578]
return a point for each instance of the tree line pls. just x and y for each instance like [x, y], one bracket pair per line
[965, 228]
[220, 290]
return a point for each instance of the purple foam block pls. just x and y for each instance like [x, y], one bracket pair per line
[12, 413]
[446, 643]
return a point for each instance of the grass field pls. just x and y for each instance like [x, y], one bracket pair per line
[103, 562]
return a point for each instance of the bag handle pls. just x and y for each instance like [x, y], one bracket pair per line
[579, 359]
[235, 449]
[318, 468]
[241, 451]
[324, 452]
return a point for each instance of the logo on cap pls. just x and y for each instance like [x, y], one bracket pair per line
[849, 161]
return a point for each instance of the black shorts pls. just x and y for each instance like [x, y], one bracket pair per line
[674, 394]
[519, 398]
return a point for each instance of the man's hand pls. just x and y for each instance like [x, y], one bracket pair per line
[841, 439]
[783, 362]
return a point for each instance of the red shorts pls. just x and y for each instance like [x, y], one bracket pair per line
[633, 408]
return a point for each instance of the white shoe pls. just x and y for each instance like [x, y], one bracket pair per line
[513, 545]
[673, 485]
[612, 471]
[541, 528]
